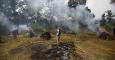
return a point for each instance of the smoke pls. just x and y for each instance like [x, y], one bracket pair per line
[5, 22]
[58, 10]
[76, 19]
[11, 27]
[24, 28]
[98, 7]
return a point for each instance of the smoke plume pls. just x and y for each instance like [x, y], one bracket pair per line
[73, 18]
[24, 28]
[5, 22]
[11, 27]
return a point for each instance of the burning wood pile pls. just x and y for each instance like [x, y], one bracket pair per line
[107, 35]
[62, 51]
[46, 36]
[104, 35]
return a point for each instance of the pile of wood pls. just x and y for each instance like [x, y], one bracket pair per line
[46, 36]
[62, 51]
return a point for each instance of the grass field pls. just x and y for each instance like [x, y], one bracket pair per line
[87, 45]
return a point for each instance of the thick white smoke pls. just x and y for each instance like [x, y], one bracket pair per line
[11, 27]
[24, 28]
[5, 22]
[60, 12]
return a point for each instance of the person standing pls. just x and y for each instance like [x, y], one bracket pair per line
[58, 34]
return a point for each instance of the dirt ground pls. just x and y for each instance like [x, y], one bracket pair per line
[88, 47]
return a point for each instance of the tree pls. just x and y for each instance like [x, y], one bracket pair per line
[73, 3]
[17, 11]
[112, 1]
[3, 31]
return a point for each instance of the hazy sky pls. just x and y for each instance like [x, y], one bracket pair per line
[98, 7]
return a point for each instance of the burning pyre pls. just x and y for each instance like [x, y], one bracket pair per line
[62, 50]
[46, 36]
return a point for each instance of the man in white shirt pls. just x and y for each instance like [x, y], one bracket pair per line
[58, 34]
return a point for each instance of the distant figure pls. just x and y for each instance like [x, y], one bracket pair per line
[15, 33]
[58, 34]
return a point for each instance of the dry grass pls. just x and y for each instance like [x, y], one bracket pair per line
[87, 45]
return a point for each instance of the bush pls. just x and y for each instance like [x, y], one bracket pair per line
[3, 31]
